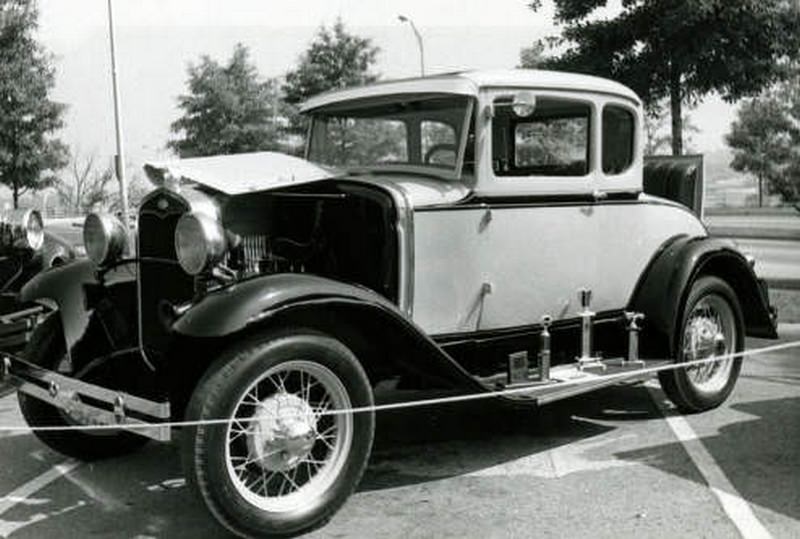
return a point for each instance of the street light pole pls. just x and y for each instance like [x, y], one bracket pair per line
[119, 159]
[403, 18]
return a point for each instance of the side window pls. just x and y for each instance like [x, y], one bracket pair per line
[619, 126]
[439, 143]
[553, 141]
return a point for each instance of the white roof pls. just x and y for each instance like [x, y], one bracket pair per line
[470, 83]
[240, 173]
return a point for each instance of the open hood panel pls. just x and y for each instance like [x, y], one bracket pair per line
[239, 173]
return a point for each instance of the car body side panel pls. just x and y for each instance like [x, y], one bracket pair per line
[491, 267]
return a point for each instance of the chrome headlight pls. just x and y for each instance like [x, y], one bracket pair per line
[104, 238]
[25, 229]
[200, 242]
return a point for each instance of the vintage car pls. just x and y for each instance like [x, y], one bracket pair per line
[26, 248]
[480, 231]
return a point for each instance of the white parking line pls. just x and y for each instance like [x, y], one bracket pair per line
[737, 509]
[20, 494]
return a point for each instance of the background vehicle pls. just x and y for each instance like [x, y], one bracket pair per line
[26, 248]
[482, 230]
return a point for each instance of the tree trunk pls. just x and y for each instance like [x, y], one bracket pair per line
[676, 111]
[15, 190]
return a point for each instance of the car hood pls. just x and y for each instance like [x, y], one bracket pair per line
[240, 173]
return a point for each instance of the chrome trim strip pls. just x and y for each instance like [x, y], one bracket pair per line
[405, 246]
[462, 144]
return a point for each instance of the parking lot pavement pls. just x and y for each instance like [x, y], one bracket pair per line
[607, 464]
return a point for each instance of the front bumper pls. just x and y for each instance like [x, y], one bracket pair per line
[17, 322]
[85, 404]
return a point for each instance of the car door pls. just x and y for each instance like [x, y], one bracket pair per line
[551, 214]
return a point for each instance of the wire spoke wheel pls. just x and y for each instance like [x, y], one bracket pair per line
[710, 331]
[284, 446]
[712, 327]
[291, 451]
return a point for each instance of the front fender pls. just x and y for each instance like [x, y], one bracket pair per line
[65, 288]
[663, 289]
[233, 308]
[307, 300]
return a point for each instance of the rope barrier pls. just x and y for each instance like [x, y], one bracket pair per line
[526, 390]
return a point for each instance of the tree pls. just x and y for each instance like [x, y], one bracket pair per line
[533, 57]
[658, 140]
[29, 156]
[335, 59]
[680, 49]
[86, 188]
[228, 109]
[765, 139]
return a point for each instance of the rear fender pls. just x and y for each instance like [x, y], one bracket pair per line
[384, 339]
[663, 289]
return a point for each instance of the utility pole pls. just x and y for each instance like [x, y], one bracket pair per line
[403, 18]
[119, 159]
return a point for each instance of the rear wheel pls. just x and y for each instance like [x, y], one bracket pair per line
[46, 349]
[291, 453]
[712, 324]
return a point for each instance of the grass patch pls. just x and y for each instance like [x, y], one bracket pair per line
[788, 304]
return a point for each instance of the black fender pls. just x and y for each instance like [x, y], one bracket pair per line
[662, 290]
[66, 288]
[388, 340]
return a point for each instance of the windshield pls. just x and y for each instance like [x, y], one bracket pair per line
[407, 133]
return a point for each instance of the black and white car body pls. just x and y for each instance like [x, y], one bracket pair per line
[480, 230]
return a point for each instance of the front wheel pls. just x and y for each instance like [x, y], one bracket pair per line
[292, 450]
[712, 324]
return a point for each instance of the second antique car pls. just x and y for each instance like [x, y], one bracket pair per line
[26, 248]
[480, 230]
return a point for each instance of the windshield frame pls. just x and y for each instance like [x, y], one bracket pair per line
[341, 108]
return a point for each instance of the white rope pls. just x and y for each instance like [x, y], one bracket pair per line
[526, 390]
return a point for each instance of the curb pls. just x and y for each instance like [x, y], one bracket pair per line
[784, 284]
[754, 233]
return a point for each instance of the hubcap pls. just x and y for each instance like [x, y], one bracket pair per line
[710, 330]
[283, 448]
[283, 432]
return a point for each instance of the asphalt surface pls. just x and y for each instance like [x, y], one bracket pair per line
[608, 464]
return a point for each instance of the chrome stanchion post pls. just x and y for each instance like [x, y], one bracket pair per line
[586, 315]
[633, 338]
[544, 349]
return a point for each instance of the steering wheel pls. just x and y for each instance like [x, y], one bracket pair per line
[437, 148]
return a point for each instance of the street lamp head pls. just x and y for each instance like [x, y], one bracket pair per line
[402, 18]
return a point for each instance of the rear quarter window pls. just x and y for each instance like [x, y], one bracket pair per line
[619, 130]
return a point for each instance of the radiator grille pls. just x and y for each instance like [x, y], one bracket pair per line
[161, 279]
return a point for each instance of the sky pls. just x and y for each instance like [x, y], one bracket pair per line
[157, 39]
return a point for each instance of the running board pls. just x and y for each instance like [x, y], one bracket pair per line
[570, 380]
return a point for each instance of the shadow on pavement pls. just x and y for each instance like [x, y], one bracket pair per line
[144, 494]
[418, 445]
[760, 457]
